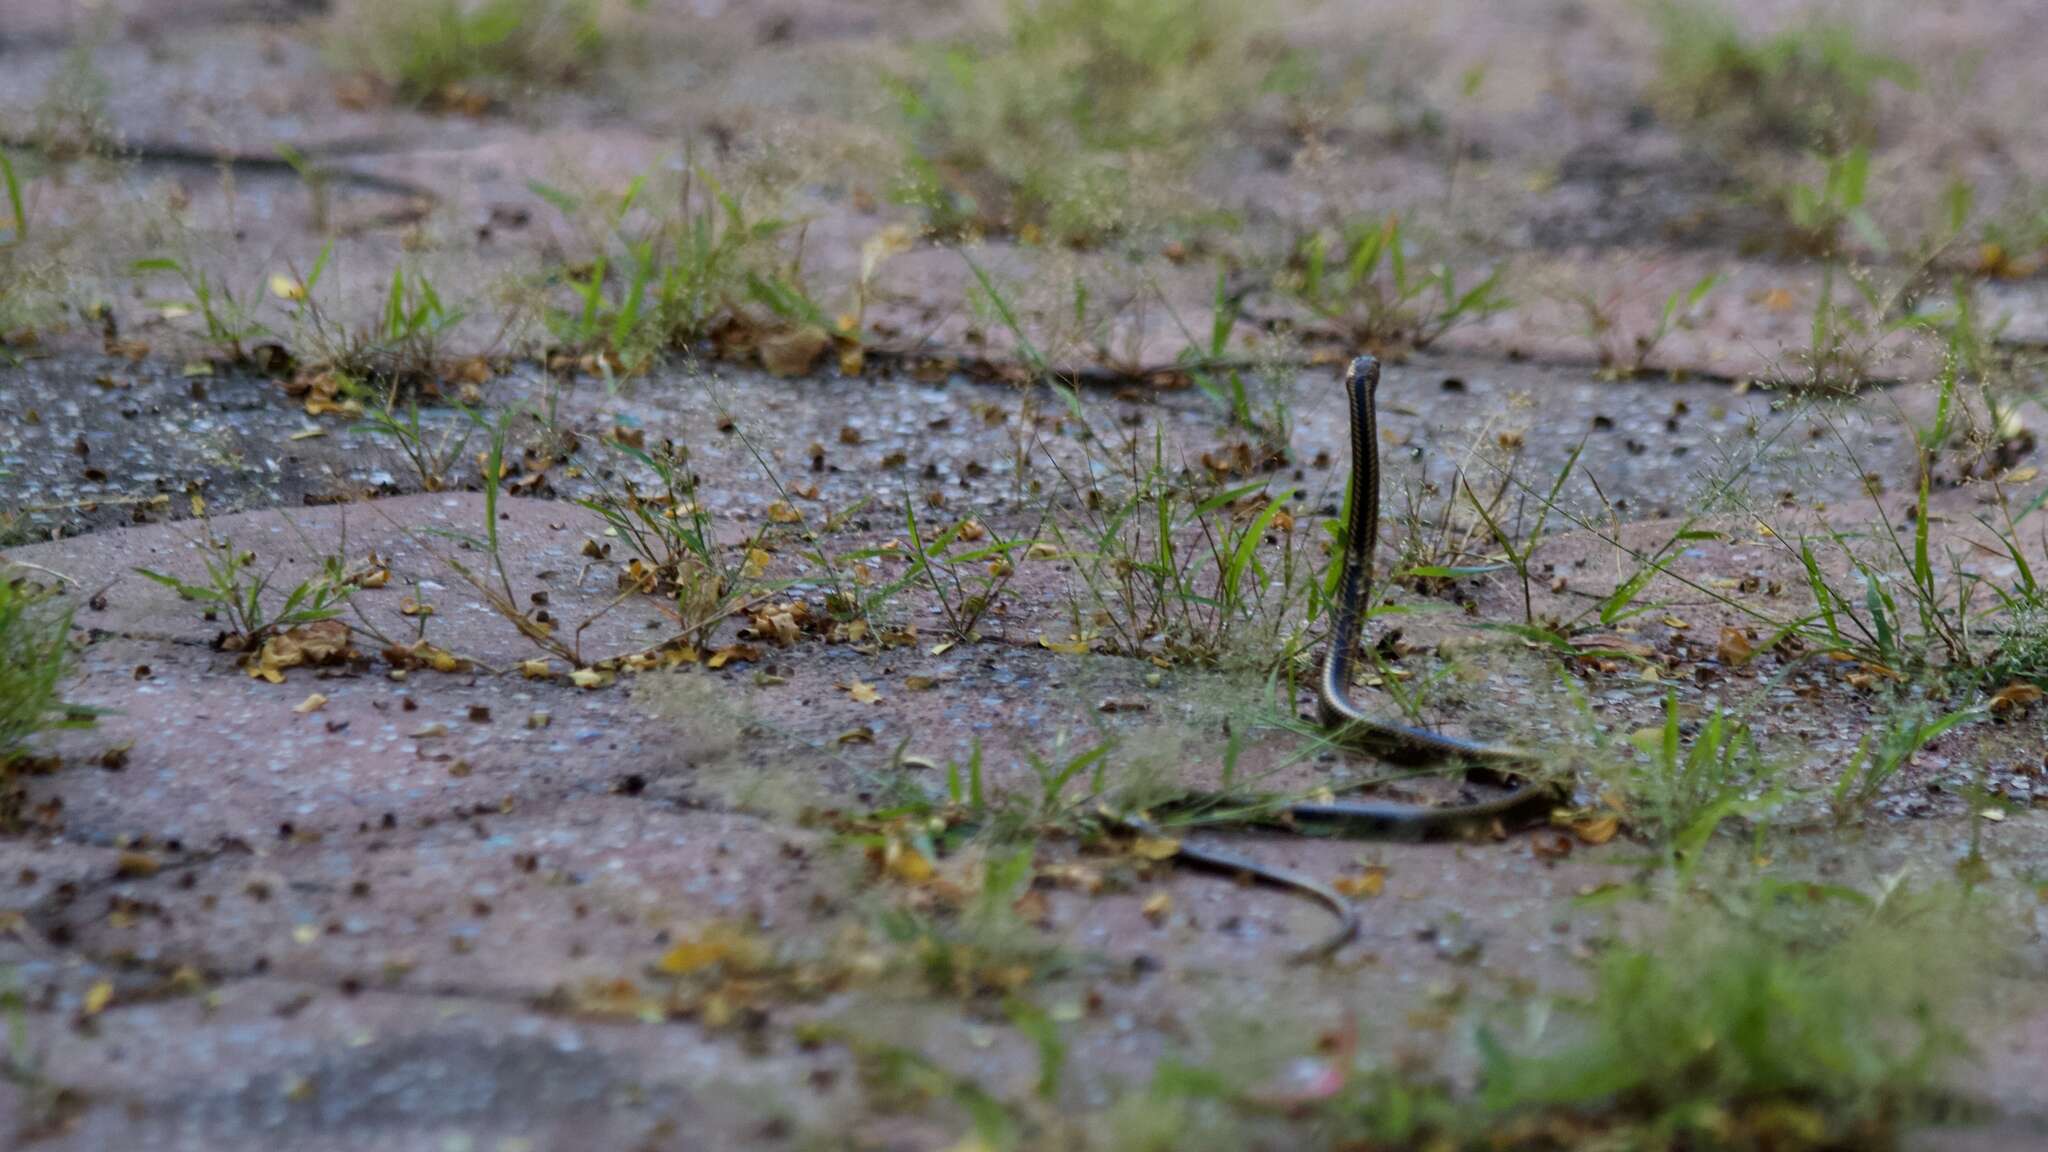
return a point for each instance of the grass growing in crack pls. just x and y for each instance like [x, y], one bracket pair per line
[402, 345]
[493, 582]
[1363, 282]
[1811, 1017]
[1206, 361]
[36, 261]
[988, 569]
[1062, 122]
[1186, 569]
[35, 658]
[1908, 727]
[469, 55]
[237, 593]
[1784, 1015]
[1815, 86]
[434, 453]
[1626, 353]
[1816, 214]
[669, 531]
[656, 279]
[1680, 792]
[975, 943]
[230, 320]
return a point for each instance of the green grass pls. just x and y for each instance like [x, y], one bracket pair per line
[1812, 86]
[1368, 284]
[35, 660]
[1804, 1015]
[1065, 119]
[31, 266]
[35, 656]
[459, 53]
[238, 594]
[687, 268]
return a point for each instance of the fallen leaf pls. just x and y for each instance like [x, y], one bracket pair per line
[589, 678]
[1073, 647]
[1734, 649]
[780, 512]
[1366, 884]
[1158, 906]
[730, 653]
[720, 943]
[2015, 697]
[795, 351]
[1155, 847]
[1597, 829]
[862, 692]
[906, 864]
[98, 997]
[321, 642]
[312, 703]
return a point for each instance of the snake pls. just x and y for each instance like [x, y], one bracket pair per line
[1351, 725]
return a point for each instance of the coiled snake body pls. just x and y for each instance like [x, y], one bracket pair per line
[1349, 723]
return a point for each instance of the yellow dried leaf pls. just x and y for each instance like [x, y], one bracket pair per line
[2022, 474]
[286, 288]
[781, 513]
[589, 678]
[862, 692]
[906, 864]
[98, 997]
[795, 351]
[1597, 829]
[875, 250]
[1155, 848]
[535, 669]
[715, 944]
[1158, 906]
[1362, 885]
[1734, 649]
[312, 703]
[2014, 697]
[1072, 647]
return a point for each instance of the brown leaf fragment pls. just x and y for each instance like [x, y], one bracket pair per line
[1598, 828]
[1366, 884]
[795, 351]
[1734, 648]
[2014, 698]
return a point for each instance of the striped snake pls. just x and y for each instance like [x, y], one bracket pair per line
[1349, 723]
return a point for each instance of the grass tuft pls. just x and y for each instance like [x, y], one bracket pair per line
[1812, 86]
[1055, 126]
[469, 55]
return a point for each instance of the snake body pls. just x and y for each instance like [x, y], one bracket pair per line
[1391, 742]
